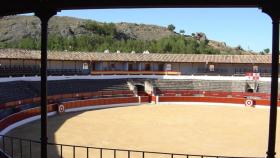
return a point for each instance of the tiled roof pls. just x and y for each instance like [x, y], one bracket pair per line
[93, 56]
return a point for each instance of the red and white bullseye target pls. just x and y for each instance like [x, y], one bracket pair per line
[61, 108]
[249, 102]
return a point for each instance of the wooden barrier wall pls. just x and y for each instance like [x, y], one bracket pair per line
[88, 95]
[23, 115]
[102, 101]
[211, 99]
[106, 101]
[4, 123]
[212, 93]
[145, 99]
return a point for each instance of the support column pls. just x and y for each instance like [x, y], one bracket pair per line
[126, 66]
[271, 8]
[102, 68]
[44, 16]
[140, 66]
[180, 68]
[274, 89]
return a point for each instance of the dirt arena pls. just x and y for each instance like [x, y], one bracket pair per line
[209, 130]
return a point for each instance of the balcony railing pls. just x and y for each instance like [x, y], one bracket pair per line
[26, 148]
[135, 73]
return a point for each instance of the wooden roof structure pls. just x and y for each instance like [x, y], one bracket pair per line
[10, 7]
[137, 57]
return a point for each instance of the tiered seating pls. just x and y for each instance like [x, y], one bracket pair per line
[6, 112]
[264, 87]
[19, 90]
[80, 86]
[225, 86]
[12, 91]
[203, 85]
[199, 87]
[213, 88]
[173, 84]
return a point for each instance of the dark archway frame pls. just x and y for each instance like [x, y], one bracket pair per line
[45, 9]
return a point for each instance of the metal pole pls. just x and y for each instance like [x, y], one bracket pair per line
[44, 16]
[274, 89]
[44, 102]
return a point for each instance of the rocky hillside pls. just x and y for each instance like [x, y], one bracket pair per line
[13, 29]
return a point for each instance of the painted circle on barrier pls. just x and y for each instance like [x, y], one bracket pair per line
[249, 102]
[61, 108]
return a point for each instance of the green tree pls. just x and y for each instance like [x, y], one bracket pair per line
[100, 28]
[267, 50]
[28, 43]
[171, 27]
[182, 32]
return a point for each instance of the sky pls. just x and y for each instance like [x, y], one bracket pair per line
[249, 28]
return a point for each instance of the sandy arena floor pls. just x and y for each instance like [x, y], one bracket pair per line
[211, 130]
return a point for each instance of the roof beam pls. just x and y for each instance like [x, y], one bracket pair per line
[10, 7]
[66, 4]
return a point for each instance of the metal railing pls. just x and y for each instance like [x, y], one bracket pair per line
[13, 147]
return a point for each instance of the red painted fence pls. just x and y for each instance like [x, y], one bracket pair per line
[212, 94]
[68, 105]
[211, 99]
[56, 98]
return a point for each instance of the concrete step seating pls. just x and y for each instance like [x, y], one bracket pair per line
[10, 91]
[204, 85]
[17, 90]
[209, 88]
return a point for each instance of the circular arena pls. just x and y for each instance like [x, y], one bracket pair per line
[137, 117]
[191, 128]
